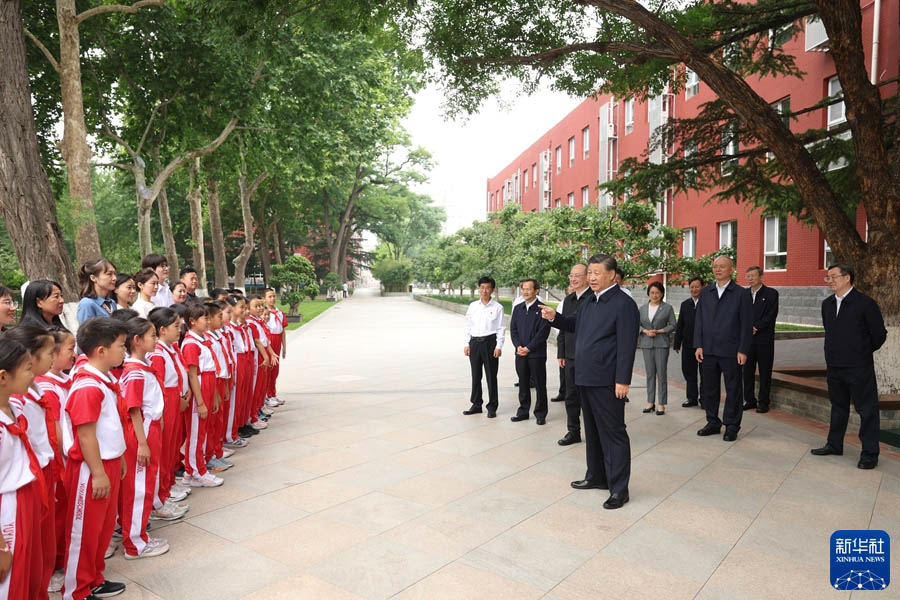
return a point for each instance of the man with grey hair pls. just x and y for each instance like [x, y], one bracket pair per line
[722, 334]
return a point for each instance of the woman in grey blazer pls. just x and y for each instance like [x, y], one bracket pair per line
[657, 325]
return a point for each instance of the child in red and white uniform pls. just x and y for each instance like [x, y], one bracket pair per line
[201, 365]
[94, 444]
[277, 325]
[54, 387]
[23, 492]
[215, 457]
[243, 387]
[169, 367]
[143, 395]
[42, 435]
[265, 358]
[236, 346]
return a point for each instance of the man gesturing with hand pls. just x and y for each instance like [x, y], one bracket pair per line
[606, 329]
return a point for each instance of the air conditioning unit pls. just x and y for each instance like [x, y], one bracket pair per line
[611, 131]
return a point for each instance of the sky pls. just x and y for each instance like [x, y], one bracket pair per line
[467, 152]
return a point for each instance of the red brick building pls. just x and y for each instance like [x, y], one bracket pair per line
[564, 166]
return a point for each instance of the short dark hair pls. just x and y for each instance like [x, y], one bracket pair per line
[162, 316]
[486, 279]
[620, 272]
[696, 278]
[657, 285]
[137, 327]
[195, 311]
[845, 269]
[267, 290]
[608, 262]
[152, 261]
[756, 268]
[185, 270]
[534, 282]
[213, 307]
[218, 292]
[33, 337]
[144, 276]
[124, 314]
[99, 332]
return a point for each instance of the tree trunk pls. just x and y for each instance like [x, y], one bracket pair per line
[195, 201]
[74, 147]
[144, 206]
[218, 237]
[26, 200]
[264, 232]
[246, 191]
[165, 221]
[278, 234]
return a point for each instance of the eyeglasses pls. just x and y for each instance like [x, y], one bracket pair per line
[829, 278]
[10, 303]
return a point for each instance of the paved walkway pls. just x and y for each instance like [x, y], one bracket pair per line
[370, 484]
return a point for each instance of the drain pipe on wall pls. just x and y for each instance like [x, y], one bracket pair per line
[876, 26]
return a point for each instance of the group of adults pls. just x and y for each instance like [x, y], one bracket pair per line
[723, 331]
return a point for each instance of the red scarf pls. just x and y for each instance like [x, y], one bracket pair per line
[20, 431]
[173, 356]
[114, 386]
[58, 466]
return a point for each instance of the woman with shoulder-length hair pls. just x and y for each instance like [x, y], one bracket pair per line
[657, 325]
[42, 303]
[97, 279]
[8, 307]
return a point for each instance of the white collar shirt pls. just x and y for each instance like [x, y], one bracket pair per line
[163, 295]
[598, 294]
[483, 320]
[721, 288]
[37, 423]
[839, 299]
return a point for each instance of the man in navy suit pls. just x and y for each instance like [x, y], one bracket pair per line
[854, 330]
[606, 328]
[722, 334]
[684, 336]
[528, 332]
[762, 348]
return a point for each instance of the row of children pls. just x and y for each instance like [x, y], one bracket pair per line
[90, 444]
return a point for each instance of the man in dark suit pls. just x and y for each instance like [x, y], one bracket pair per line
[854, 330]
[528, 332]
[606, 328]
[565, 354]
[762, 348]
[722, 332]
[684, 336]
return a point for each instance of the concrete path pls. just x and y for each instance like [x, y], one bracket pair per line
[370, 483]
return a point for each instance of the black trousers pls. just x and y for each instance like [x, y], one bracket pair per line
[481, 357]
[689, 368]
[528, 368]
[573, 399]
[858, 384]
[762, 355]
[607, 446]
[714, 369]
[562, 383]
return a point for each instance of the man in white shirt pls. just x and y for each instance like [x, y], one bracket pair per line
[484, 332]
[620, 279]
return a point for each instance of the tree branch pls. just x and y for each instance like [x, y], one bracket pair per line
[123, 8]
[53, 62]
[149, 123]
[548, 56]
[121, 166]
[115, 137]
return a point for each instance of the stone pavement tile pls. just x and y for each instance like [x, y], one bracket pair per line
[516, 458]
[409, 418]
[421, 459]
[431, 489]
[536, 484]
[646, 490]
[712, 592]
[327, 461]
[527, 558]
[317, 494]
[372, 427]
[254, 456]
[612, 577]
[497, 506]
[792, 541]
[225, 574]
[375, 512]
[458, 581]
[774, 577]
[476, 471]
[655, 459]
[204, 500]
[758, 480]
[741, 457]
[690, 447]
[373, 475]
[307, 541]
[185, 540]
[679, 553]
[301, 587]
[380, 568]
[816, 513]
[462, 444]
[574, 526]
[705, 522]
[374, 447]
[246, 519]
[445, 534]
[413, 435]
[712, 493]
[570, 463]
[441, 411]
[836, 491]
[496, 433]
[454, 424]
[269, 478]
[332, 438]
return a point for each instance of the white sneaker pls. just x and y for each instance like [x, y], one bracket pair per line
[110, 550]
[226, 452]
[259, 425]
[279, 401]
[177, 495]
[272, 402]
[238, 443]
[167, 512]
[208, 480]
[155, 547]
[267, 411]
[56, 581]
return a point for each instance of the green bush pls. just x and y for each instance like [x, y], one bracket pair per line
[394, 274]
[295, 280]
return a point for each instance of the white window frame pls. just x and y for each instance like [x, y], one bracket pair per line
[781, 107]
[689, 242]
[691, 84]
[629, 115]
[730, 146]
[571, 199]
[572, 151]
[556, 203]
[728, 234]
[586, 141]
[834, 88]
[559, 159]
[525, 176]
[534, 173]
[585, 196]
[826, 250]
[774, 249]
[816, 38]
[774, 34]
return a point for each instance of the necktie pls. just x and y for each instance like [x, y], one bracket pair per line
[20, 431]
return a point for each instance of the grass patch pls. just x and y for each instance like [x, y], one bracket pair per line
[465, 300]
[789, 327]
[310, 309]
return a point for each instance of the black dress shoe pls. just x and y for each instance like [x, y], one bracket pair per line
[541, 421]
[517, 418]
[516, 384]
[616, 501]
[709, 430]
[749, 405]
[825, 451]
[730, 436]
[867, 463]
[557, 399]
[585, 484]
[689, 403]
[762, 408]
[569, 439]
[472, 411]
[492, 414]
[649, 409]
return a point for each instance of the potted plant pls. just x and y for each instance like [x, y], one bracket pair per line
[295, 280]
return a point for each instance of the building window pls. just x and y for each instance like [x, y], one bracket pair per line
[556, 203]
[571, 199]
[776, 243]
[689, 242]
[526, 180]
[629, 116]
[585, 196]
[729, 146]
[534, 173]
[781, 36]
[836, 114]
[691, 84]
[728, 234]
[827, 255]
[586, 141]
[571, 150]
[558, 159]
[816, 36]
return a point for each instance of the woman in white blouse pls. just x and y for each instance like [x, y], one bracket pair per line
[147, 282]
[657, 324]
